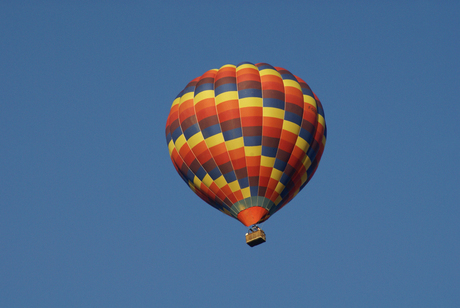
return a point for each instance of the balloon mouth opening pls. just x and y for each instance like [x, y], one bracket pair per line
[252, 215]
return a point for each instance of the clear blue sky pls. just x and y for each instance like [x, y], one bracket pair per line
[93, 214]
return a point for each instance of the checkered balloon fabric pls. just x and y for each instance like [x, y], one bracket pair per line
[246, 138]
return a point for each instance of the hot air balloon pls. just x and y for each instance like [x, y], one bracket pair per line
[246, 139]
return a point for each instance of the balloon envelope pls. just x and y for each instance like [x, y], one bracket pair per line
[246, 138]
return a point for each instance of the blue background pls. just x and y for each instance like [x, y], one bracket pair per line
[93, 214]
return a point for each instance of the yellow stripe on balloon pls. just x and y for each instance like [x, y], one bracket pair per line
[171, 147]
[276, 174]
[195, 139]
[226, 96]
[187, 96]
[321, 119]
[309, 100]
[246, 192]
[215, 140]
[269, 71]
[180, 142]
[279, 188]
[291, 83]
[234, 186]
[246, 65]
[291, 127]
[207, 180]
[203, 95]
[251, 102]
[302, 144]
[234, 143]
[267, 161]
[220, 181]
[176, 101]
[273, 112]
[253, 150]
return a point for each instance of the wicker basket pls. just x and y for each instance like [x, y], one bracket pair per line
[255, 238]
